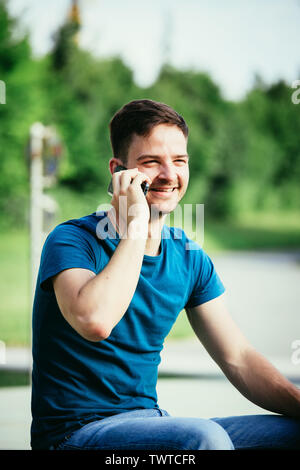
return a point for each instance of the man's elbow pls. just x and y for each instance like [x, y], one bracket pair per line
[91, 328]
[94, 332]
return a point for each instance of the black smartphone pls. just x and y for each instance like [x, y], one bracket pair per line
[144, 185]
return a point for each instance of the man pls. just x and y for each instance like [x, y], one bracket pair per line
[106, 298]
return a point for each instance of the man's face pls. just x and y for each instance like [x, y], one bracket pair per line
[162, 155]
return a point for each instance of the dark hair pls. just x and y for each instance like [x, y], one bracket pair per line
[139, 117]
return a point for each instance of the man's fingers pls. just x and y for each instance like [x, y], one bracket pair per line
[123, 179]
[116, 183]
[132, 178]
[139, 179]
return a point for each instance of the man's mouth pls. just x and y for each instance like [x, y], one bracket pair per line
[163, 190]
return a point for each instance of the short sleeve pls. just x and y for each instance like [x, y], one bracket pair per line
[207, 283]
[67, 246]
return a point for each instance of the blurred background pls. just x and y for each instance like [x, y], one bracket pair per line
[231, 69]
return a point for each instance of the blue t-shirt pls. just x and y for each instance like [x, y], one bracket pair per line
[75, 381]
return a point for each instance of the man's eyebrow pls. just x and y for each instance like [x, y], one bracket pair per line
[141, 157]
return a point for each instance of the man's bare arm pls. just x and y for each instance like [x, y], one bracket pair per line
[250, 372]
[93, 304]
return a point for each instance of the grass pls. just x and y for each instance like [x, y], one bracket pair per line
[253, 232]
[74, 206]
[14, 288]
[12, 378]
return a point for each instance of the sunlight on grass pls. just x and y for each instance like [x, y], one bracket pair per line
[252, 232]
[14, 288]
[267, 231]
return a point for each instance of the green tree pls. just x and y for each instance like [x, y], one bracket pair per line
[84, 93]
[24, 104]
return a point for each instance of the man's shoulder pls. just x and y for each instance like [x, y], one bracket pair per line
[178, 239]
[71, 244]
[88, 223]
[173, 233]
[82, 227]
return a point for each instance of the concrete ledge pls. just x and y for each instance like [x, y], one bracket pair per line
[188, 358]
[183, 358]
[17, 359]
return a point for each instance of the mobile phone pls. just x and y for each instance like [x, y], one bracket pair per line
[144, 185]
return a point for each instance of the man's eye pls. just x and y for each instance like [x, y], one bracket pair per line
[150, 161]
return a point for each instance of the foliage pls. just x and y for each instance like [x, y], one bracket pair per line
[25, 103]
[244, 156]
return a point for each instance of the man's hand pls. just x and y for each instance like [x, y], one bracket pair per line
[130, 204]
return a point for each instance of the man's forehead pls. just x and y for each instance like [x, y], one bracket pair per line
[160, 136]
[165, 131]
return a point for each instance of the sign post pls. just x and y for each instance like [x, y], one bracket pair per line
[45, 150]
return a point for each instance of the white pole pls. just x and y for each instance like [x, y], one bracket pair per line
[36, 209]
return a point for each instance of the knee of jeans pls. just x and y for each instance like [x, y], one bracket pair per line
[163, 412]
[208, 435]
[216, 438]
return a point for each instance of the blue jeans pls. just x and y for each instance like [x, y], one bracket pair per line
[155, 429]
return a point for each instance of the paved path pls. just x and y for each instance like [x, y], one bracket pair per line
[180, 397]
[197, 389]
[263, 296]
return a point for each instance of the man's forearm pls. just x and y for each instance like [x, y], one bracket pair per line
[106, 297]
[259, 381]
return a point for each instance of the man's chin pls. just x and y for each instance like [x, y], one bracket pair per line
[162, 209]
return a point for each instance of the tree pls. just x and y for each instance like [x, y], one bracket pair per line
[24, 104]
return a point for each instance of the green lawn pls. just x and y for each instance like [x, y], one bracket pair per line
[14, 288]
[9, 378]
[255, 231]
[271, 231]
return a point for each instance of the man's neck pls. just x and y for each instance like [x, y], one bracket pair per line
[154, 236]
[155, 227]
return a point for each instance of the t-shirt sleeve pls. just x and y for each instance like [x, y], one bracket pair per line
[67, 246]
[207, 283]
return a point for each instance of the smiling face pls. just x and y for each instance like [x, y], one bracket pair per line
[162, 155]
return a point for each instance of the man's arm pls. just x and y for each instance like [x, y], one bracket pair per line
[93, 304]
[250, 372]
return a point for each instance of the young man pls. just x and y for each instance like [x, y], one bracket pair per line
[106, 299]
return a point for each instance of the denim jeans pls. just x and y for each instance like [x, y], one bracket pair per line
[155, 429]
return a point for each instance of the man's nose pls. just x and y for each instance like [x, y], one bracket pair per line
[167, 172]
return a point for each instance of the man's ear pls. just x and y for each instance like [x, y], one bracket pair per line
[113, 162]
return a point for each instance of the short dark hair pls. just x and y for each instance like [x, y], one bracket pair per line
[139, 117]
